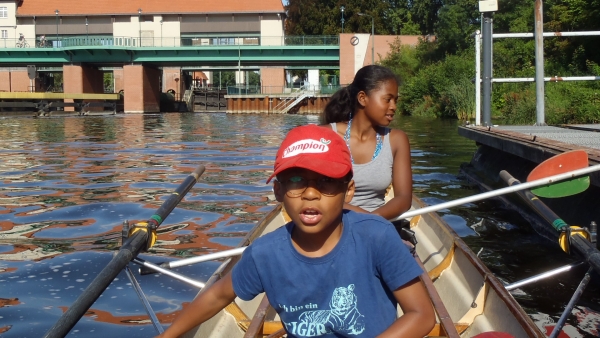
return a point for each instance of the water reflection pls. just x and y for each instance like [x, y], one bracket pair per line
[67, 184]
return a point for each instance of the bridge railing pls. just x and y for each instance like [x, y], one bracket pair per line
[157, 42]
[281, 90]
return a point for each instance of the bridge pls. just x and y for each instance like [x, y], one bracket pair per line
[320, 52]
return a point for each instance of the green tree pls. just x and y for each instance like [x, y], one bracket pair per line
[223, 79]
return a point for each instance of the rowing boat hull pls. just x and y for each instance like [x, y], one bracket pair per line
[475, 300]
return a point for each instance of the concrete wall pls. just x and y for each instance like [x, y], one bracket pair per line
[171, 79]
[130, 29]
[141, 89]
[119, 80]
[9, 24]
[271, 30]
[272, 78]
[17, 80]
[354, 56]
[26, 27]
[382, 46]
[82, 79]
[169, 34]
[266, 104]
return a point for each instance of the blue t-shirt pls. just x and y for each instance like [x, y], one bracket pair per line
[347, 292]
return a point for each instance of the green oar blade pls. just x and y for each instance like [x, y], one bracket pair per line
[563, 189]
[559, 164]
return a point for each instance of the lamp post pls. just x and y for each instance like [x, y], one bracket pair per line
[342, 9]
[87, 32]
[373, 35]
[56, 12]
[161, 34]
[140, 27]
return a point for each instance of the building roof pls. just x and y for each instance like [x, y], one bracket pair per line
[149, 7]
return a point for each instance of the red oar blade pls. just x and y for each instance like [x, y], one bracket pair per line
[560, 164]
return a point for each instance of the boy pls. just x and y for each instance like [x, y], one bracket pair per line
[329, 272]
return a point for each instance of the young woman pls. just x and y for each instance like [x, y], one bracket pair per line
[360, 113]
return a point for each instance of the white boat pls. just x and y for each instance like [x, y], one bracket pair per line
[468, 299]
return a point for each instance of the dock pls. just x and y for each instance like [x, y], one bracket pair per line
[48, 103]
[57, 96]
[519, 149]
[538, 143]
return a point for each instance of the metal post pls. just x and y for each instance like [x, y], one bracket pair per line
[161, 33]
[539, 63]
[373, 41]
[87, 32]
[478, 78]
[487, 68]
[139, 27]
[56, 12]
[373, 36]
[342, 9]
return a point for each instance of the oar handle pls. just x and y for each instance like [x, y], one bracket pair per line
[130, 249]
[580, 244]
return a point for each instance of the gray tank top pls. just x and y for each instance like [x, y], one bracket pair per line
[374, 177]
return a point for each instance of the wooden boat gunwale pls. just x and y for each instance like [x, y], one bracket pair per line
[526, 323]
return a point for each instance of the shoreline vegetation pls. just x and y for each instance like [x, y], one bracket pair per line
[437, 77]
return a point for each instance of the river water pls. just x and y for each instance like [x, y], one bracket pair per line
[68, 183]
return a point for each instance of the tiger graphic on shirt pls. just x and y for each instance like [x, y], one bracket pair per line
[342, 317]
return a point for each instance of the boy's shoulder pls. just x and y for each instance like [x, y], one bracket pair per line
[370, 220]
[271, 240]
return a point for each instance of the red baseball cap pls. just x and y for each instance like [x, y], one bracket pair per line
[316, 148]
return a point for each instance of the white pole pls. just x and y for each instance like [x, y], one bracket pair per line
[548, 79]
[545, 34]
[539, 64]
[498, 192]
[478, 78]
[411, 213]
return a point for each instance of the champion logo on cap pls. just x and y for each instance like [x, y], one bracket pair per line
[314, 148]
[306, 146]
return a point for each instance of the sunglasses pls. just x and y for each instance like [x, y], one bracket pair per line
[296, 185]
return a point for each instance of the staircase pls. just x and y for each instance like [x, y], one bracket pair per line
[290, 102]
[188, 99]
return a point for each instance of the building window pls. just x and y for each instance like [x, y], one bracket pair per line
[4, 34]
[3, 12]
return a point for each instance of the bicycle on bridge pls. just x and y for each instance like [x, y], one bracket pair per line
[43, 43]
[22, 42]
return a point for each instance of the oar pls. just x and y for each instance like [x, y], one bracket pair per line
[567, 161]
[579, 243]
[130, 249]
[539, 182]
[148, 269]
[536, 183]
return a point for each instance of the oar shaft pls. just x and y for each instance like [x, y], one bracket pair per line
[144, 300]
[130, 249]
[66, 322]
[541, 276]
[165, 209]
[580, 244]
[574, 299]
[503, 191]
[587, 250]
[167, 272]
[208, 257]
